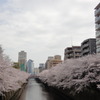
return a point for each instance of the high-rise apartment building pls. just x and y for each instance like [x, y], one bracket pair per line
[72, 52]
[22, 58]
[88, 46]
[97, 27]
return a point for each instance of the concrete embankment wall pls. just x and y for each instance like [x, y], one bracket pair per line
[13, 95]
[88, 94]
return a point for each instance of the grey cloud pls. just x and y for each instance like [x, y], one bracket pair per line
[45, 26]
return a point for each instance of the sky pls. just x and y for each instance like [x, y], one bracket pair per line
[44, 28]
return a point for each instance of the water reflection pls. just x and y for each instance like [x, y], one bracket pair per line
[36, 91]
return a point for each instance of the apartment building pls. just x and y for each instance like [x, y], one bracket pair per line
[97, 27]
[53, 61]
[72, 52]
[88, 46]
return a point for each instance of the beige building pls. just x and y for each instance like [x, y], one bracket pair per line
[53, 61]
[72, 52]
[22, 58]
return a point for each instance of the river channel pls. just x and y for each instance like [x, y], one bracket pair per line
[37, 91]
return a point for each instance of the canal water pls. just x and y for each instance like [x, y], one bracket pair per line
[37, 91]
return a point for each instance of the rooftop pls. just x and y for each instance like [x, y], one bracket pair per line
[98, 6]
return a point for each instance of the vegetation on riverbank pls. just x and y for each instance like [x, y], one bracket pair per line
[11, 79]
[76, 77]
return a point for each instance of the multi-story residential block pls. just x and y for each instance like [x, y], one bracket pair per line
[72, 52]
[56, 60]
[97, 27]
[53, 61]
[29, 66]
[48, 64]
[88, 46]
[22, 58]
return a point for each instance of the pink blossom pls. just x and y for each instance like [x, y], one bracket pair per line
[79, 73]
[10, 78]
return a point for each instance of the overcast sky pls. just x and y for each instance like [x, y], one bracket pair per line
[44, 28]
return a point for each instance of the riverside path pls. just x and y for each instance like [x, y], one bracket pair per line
[37, 91]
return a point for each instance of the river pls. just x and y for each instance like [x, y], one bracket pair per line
[37, 91]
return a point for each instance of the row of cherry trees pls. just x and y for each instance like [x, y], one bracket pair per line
[10, 78]
[75, 74]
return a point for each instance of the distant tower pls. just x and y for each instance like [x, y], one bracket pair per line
[22, 57]
[30, 66]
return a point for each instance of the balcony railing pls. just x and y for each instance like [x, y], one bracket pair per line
[98, 42]
[97, 26]
[97, 11]
[85, 51]
[97, 34]
[97, 19]
[98, 50]
[85, 45]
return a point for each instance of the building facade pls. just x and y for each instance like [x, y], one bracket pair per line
[30, 66]
[53, 61]
[72, 52]
[48, 62]
[56, 60]
[41, 67]
[88, 46]
[97, 27]
[22, 58]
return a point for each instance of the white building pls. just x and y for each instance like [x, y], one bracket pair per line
[97, 27]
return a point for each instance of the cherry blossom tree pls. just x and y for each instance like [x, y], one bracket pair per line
[10, 78]
[77, 73]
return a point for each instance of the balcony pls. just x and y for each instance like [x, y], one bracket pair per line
[98, 42]
[85, 45]
[69, 51]
[97, 12]
[97, 27]
[97, 19]
[86, 51]
[98, 50]
[97, 34]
